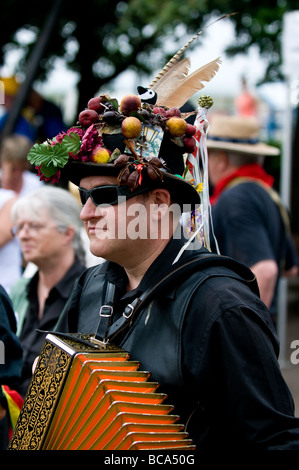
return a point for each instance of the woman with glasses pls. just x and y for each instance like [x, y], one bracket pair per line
[48, 226]
[16, 180]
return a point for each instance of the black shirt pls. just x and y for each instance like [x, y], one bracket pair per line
[10, 351]
[31, 339]
[249, 228]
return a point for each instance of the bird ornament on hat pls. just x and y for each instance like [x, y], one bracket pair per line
[144, 140]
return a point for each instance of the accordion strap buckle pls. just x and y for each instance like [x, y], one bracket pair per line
[102, 343]
[130, 308]
[106, 311]
[128, 311]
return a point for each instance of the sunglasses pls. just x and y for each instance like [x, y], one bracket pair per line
[107, 195]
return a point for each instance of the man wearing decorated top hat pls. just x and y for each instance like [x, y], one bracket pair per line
[193, 319]
[250, 222]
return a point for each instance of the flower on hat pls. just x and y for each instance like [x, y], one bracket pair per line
[53, 155]
[104, 116]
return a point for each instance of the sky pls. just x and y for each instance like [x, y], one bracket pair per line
[215, 40]
[230, 71]
[225, 84]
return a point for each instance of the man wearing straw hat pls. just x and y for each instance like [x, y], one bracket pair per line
[249, 221]
[189, 317]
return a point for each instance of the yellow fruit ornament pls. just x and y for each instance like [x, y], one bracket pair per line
[100, 154]
[131, 127]
[176, 126]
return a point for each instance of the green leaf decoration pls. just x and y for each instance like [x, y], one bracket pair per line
[51, 157]
[48, 170]
[115, 154]
[71, 143]
[138, 116]
[40, 153]
[60, 156]
[114, 103]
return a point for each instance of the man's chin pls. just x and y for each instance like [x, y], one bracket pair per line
[99, 247]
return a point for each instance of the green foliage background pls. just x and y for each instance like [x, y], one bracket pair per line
[102, 38]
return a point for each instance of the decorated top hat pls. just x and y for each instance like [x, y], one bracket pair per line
[143, 145]
[142, 140]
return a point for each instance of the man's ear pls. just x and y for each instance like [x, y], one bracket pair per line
[161, 196]
[223, 160]
[160, 201]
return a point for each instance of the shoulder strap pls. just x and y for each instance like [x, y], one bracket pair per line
[202, 261]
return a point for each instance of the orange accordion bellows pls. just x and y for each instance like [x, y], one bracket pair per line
[85, 396]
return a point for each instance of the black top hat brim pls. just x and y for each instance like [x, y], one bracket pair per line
[182, 192]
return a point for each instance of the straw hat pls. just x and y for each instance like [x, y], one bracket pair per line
[238, 134]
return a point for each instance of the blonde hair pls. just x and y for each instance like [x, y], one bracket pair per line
[15, 148]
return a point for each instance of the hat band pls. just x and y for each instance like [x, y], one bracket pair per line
[234, 141]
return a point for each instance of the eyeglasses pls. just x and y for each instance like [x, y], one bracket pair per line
[107, 195]
[31, 227]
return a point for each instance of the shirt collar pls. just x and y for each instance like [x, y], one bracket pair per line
[64, 286]
[253, 171]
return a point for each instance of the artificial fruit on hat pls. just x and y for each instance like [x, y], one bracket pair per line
[190, 129]
[129, 104]
[176, 126]
[88, 117]
[189, 143]
[96, 104]
[131, 127]
[173, 112]
[100, 154]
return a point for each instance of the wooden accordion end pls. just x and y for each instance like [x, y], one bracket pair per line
[84, 396]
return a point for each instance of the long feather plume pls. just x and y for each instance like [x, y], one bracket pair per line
[174, 60]
[179, 92]
[178, 55]
[171, 78]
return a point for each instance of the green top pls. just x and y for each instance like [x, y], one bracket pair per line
[18, 295]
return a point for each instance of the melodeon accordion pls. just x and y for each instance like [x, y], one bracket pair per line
[86, 396]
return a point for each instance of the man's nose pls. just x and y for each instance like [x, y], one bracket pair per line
[89, 210]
